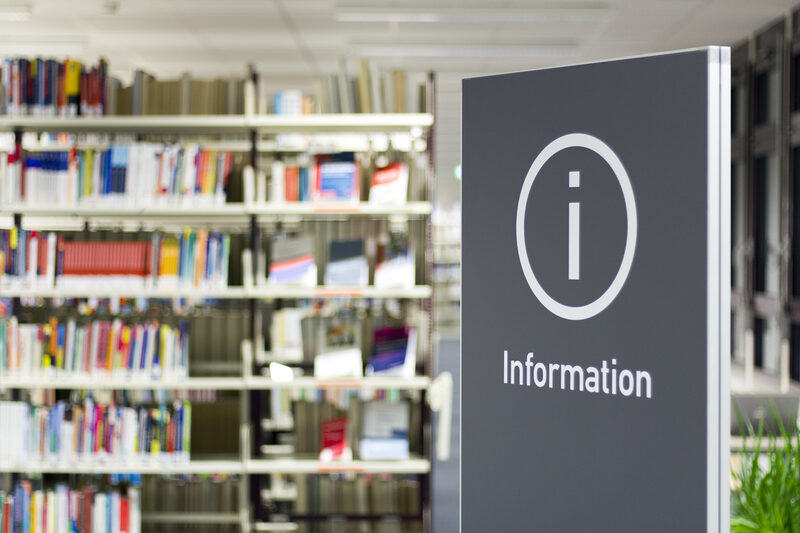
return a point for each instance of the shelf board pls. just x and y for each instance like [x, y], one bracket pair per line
[226, 124]
[316, 210]
[190, 517]
[212, 124]
[230, 293]
[260, 466]
[120, 383]
[99, 291]
[238, 213]
[131, 467]
[119, 210]
[414, 465]
[415, 383]
[341, 123]
[288, 291]
[234, 383]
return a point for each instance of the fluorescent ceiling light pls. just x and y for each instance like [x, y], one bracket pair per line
[15, 12]
[549, 13]
[471, 51]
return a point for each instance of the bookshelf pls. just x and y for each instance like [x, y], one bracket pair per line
[255, 220]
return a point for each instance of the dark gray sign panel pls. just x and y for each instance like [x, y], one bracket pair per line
[596, 297]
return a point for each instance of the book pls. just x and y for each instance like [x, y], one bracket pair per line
[335, 178]
[389, 185]
[292, 262]
[71, 348]
[334, 444]
[69, 433]
[341, 363]
[393, 352]
[385, 431]
[347, 264]
[395, 265]
[138, 174]
[189, 259]
[286, 335]
[42, 507]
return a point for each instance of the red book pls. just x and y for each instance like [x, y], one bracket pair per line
[334, 438]
[291, 184]
[124, 515]
[41, 261]
[6, 525]
[88, 502]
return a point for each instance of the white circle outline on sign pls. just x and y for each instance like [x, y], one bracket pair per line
[578, 140]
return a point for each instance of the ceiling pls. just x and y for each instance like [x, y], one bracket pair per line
[291, 42]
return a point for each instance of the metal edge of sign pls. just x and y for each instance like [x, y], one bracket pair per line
[461, 318]
[718, 238]
[725, 287]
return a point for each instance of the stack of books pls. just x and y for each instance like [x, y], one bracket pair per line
[378, 427]
[67, 433]
[192, 259]
[370, 90]
[354, 496]
[135, 175]
[47, 87]
[83, 347]
[332, 177]
[31, 506]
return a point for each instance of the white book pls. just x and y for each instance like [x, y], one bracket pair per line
[50, 272]
[189, 169]
[66, 437]
[99, 514]
[63, 178]
[277, 193]
[33, 258]
[37, 508]
[69, 345]
[115, 511]
[135, 522]
[62, 506]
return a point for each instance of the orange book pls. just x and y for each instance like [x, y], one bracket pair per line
[200, 257]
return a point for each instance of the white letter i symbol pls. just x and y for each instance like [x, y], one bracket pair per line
[574, 263]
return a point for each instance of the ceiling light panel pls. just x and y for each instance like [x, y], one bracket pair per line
[476, 15]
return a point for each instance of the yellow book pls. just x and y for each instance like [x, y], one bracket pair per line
[88, 169]
[72, 78]
[48, 333]
[126, 341]
[72, 86]
[111, 349]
